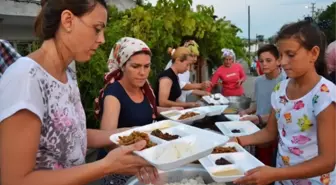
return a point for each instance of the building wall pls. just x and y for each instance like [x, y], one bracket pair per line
[17, 32]
[17, 18]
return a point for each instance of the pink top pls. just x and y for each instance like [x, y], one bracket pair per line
[229, 77]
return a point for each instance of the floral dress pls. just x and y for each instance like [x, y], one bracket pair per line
[297, 126]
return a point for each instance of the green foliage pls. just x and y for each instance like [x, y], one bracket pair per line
[160, 26]
[91, 80]
[329, 14]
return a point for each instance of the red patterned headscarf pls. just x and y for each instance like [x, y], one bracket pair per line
[122, 51]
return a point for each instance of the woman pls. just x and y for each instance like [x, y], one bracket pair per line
[167, 88]
[231, 74]
[128, 99]
[184, 78]
[331, 61]
[303, 114]
[43, 133]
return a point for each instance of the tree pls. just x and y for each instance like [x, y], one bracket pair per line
[161, 26]
[327, 21]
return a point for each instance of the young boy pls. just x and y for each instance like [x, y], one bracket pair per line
[264, 85]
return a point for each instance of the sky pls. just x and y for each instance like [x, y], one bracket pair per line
[267, 16]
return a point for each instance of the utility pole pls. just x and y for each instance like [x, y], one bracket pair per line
[249, 32]
[313, 9]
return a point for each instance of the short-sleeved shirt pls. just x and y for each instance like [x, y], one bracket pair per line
[175, 90]
[297, 127]
[263, 89]
[27, 86]
[131, 113]
[230, 77]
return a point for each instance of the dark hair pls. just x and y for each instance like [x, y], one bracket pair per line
[309, 36]
[269, 48]
[48, 20]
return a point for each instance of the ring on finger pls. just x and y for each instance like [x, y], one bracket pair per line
[146, 173]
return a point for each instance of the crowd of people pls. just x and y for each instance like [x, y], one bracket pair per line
[43, 134]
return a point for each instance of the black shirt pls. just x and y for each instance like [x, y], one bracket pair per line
[175, 90]
[131, 113]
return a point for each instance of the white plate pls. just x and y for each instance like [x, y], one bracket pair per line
[235, 117]
[235, 145]
[193, 144]
[179, 152]
[243, 161]
[190, 120]
[212, 110]
[178, 130]
[115, 137]
[245, 127]
[211, 99]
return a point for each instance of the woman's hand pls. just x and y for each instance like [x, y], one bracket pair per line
[176, 108]
[206, 84]
[259, 176]
[242, 113]
[239, 83]
[148, 175]
[193, 104]
[252, 118]
[122, 161]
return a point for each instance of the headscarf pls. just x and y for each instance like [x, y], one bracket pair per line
[331, 57]
[228, 52]
[192, 46]
[122, 51]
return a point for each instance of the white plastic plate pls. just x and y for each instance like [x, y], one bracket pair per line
[235, 145]
[212, 110]
[242, 161]
[234, 117]
[193, 144]
[179, 152]
[174, 115]
[216, 99]
[245, 127]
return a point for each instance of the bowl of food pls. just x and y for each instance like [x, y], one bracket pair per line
[188, 175]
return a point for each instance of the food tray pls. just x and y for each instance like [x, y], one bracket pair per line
[216, 99]
[234, 117]
[241, 160]
[212, 110]
[245, 127]
[175, 114]
[193, 144]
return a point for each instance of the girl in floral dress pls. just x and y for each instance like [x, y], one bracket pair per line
[303, 115]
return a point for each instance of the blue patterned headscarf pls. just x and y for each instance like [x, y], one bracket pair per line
[228, 52]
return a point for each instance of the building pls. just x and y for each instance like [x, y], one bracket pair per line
[17, 21]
